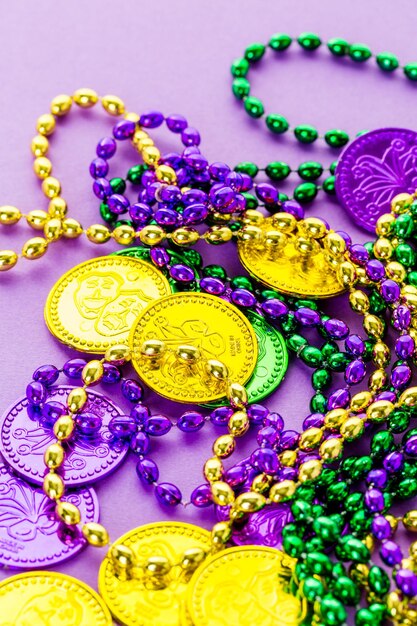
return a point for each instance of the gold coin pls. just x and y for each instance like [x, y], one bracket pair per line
[50, 599]
[217, 328]
[94, 305]
[288, 271]
[133, 603]
[246, 586]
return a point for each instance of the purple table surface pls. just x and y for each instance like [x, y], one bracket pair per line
[174, 56]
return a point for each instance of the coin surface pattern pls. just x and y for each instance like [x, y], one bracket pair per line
[130, 601]
[216, 327]
[94, 305]
[50, 599]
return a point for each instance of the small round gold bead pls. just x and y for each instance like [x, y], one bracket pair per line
[188, 354]
[307, 247]
[250, 502]
[310, 470]
[39, 145]
[34, 248]
[192, 558]
[396, 271]
[250, 233]
[222, 493]
[98, 233]
[379, 410]
[95, 534]
[408, 397]
[221, 533]
[57, 207]
[152, 235]
[92, 372]
[45, 124]
[410, 521]
[139, 134]
[377, 380]
[285, 222]
[158, 565]
[237, 395]
[153, 349]
[185, 236]
[253, 216]
[37, 219]
[77, 398]
[373, 325]
[401, 203]
[282, 491]
[213, 469]
[331, 449]
[71, 229]
[360, 401]
[124, 234]
[63, 427]
[144, 142]
[346, 273]
[85, 98]
[384, 224]
[118, 354]
[261, 483]
[8, 259]
[42, 167]
[151, 155]
[68, 513]
[383, 248]
[9, 215]
[113, 105]
[53, 456]
[217, 369]
[312, 227]
[132, 117]
[53, 229]
[310, 438]
[352, 428]
[51, 187]
[335, 244]
[275, 240]
[238, 424]
[122, 556]
[53, 486]
[381, 354]
[61, 105]
[224, 446]
[218, 235]
[288, 458]
[166, 174]
[335, 418]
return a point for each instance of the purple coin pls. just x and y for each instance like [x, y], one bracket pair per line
[263, 528]
[24, 438]
[373, 169]
[30, 534]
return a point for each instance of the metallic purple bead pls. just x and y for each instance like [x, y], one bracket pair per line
[124, 129]
[375, 270]
[314, 420]
[168, 494]
[339, 399]
[176, 123]
[111, 374]
[194, 196]
[46, 374]
[400, 376]
[99, 168]
[102, 188]
[140, 213]
[182, 273]
[257, 414]
[234, 180]
[240, 203]
[293, 207]
[159, 256]
[131, 390]
[355, 345]
[247, 182]
[221, 415]
[390, 290]
[222, 198]
[219, 171]
[345, 236]
[106, 148]
[289, 439]
[410, 446]
[88, 424]
[123, 426]
[195, 213]
[148, 178]
[273, 419]
[386, 395]
[381, 528]
[404, 346]
[140, 443]
[307, 317]
[336, 329]
[212, 285]
[391, 553]
[183, 176]
[355, 372]
[378, 478]
[190, 137]
[359, 254]
[201, 496]
[406, 581]
[274, 308]
[265, 460]
[287, 473]
[267, 193]
[401, 317]
[191, 422]
[236, 475]
[147, 470]
[157, 425]
[117, 203]
[170, 193]
[267, 436]
[51, 411]
[73, 368]
[36, 393]
[140, 414]
[394, 462]
[151, 119]
[243, 298]
[167, 217]
[197, 162]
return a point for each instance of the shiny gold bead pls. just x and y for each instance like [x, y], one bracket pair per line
[51, 187]
[360, 401]
[185, 236]
[384, 224]
[383, 248]
[218, 235]
[307, 247]
[379, 411]
[213, 469]
[224, 446]
[151, 155]
[253, 216]
[373, 325]
[37, 219]
[63, 427]
[408, 564]
[413, 546]
[39, 145]
[118, 354]
[275, 240]
[408, 397]
[312, 227]
[113, 105]
[53, 229]
[352, 428]
[410, 521]
[192, 558]
[333, 262]
[369, 542]
[401, 203]
[221, 218]
[45, 124]
[237, 395]
[335, 244]
[250, 502]
[221, 533]
[310, 438]
[217, 369]
[409, 289]
[396, 271]
[122, 556]
[335, 418]
[53, 486]
[68, 513]
[250, 232]
[144, 142]
[310, 470]
[57, 207]
[359, 573]
[98, 233]
[139, 134]
[411, 301]
[222, 493]
[71, 229]
[188, 354]
[9, 215]
[95, 534]
[282, 491]
[152, 235]
[377, 380]
[158, 565]
[61, 105]
[166, 174]
[359, 301]
[92, 372]
[238, 424]
[85, 98]
[8, 259]
[346, 273]
[77, 399]
[288, 458]
[381, 354]
[261, 483]
[124, 234]
[393, 522]
[132, 117]
[331, 449]
[34, 248]
[53, 456]
[42, 167]
[153, 349]
[284, 222]
[361, 277]
[394, 604]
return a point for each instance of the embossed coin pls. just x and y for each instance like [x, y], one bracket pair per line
[288, 271]
[50, 599]
[373, 169]
[134, 603]
[25, 435]
[30, 534]
[245, 586]
[217, 328]
[264, 528]
[94, 305]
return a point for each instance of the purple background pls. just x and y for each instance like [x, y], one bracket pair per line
[174, 56]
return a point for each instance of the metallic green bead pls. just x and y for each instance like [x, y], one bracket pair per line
[241, 282]
[399, 420]
[289, 323]
[254, 107]
[332, 611]
[338, 569]
[247, 167]
[296, 343]
[405, 254]
[360, 522]
[382, 442]
[337, 362]
[305, 193]
[240, 88]
[377, 303]
[378, 580]
[318, 403]
[306, 493]
[240, 67]
[365, 617]
[118, 185]
[267, 294]
[350, 548]
[338, 491]
[404, 226]
[292, 529]
[305, 133]
[255, 52]
[282, 197]
[311, 356]
[354, 501]
[346, 591]
[319, 564]
[310, 170]
[304, 302]
[321, 379]
[326, 528]
[329, 185]
[361, 466]
[359, 52]
[293, 546]
[406, 489]
[215, 271]
[192, 257]
[235, 226]
[379, 611]
[410, 470]
[309, 41]
[278, 170]
[412, 278]
[312, 588]
[135, 173]
[327, 477]
[332, 167]
[387, 61]
[369, 245]
[336, 138]
[123, 223]
[301, 510]
[277, 124]
[106, 214]
[329, 348]
[251, 201]
[280, 42]
[410, 70]
[338, 47]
